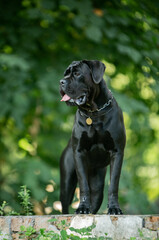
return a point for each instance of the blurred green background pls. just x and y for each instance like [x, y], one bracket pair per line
[38, 40]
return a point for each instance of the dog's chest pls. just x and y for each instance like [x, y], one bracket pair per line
[95, 139]
[98, 147]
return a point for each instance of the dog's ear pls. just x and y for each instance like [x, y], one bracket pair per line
[97, 69]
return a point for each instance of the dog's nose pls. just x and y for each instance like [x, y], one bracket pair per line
[62, 82]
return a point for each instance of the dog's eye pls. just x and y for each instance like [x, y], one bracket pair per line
[76, 74]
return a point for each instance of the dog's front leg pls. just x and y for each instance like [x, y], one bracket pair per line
[81, 170]
[115, 170]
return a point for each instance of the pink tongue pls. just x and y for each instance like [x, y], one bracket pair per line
[65, 98]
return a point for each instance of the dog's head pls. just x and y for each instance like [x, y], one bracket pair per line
[80, 84]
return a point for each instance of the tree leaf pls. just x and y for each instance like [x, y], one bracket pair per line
[93, 33]
[12, 60]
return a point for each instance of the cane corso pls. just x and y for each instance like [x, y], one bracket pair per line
[98, 139]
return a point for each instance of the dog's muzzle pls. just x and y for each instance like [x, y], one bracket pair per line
[79, 100]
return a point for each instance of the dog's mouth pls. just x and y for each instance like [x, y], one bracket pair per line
[78, 101]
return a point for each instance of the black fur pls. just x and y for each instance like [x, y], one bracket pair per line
[93, 147]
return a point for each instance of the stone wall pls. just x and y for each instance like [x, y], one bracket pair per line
[112, 227]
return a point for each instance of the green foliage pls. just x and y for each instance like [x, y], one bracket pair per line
[83, 233]
[27, 232]
[25, 203]
[142, 236]
[64, 234]
[24, 195]
[39, 39]
[4, 203]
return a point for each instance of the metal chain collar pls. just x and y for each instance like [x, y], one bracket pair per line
[104, 106]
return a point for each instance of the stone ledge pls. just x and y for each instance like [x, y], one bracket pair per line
[116, 227]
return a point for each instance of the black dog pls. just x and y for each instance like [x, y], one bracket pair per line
[98, 139]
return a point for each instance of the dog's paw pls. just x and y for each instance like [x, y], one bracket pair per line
[114, 211]
[83, 210]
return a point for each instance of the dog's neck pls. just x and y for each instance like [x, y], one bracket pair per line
[103, 96]
[99, 99]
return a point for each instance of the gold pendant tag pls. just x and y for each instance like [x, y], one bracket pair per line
[89, 121]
